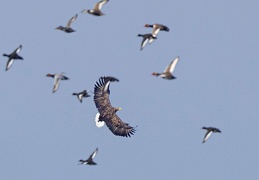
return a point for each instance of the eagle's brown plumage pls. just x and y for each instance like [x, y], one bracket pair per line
[107, 112]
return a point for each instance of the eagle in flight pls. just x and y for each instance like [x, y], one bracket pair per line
[107, 111]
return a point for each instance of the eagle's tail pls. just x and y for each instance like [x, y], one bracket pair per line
[97, 122]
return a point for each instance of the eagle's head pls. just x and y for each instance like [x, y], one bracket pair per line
[117, 109]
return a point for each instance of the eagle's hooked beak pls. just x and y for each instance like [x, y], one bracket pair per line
[117, 109]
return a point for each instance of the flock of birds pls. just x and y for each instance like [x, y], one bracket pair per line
[106, 112]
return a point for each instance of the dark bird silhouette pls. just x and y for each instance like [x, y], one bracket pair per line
[168, 72]
[13, 56]
[146, 38]
[107, 112]
[96, 11]
[81, 95]
[67, 28]
[89, 161]
[210, 130]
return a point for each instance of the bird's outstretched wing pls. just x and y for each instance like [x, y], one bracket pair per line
[170, 68]
[207, 135]
[101, 94]
[56, 83]
[118, 127]
[100, 4]
[71, 20]
[93, 154]
[17, 50]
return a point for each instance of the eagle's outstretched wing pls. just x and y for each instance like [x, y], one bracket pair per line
[118, 127]
[107, 112]
[101, 94]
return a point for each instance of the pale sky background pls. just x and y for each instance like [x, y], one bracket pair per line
[43, 135]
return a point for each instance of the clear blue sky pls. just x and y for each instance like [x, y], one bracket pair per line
[43, 135]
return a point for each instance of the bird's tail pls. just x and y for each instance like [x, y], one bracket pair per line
[19, 57]
[98, 123]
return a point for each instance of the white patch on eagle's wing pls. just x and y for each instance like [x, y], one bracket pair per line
[97, 122]
[106, 86]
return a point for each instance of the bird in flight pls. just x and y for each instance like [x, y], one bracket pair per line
[96, 11]
[168, 72]
[90, 161]
[146, 38]
[13, 56]
[107, 111]
[210, 130]
[67, 28]
[156, 29]
[57, 79]
[81, 95]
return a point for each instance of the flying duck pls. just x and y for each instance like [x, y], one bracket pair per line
[14, 55]
[156, 29]
[89, 161]
[68, 29]
[146, 37]
[167, 74]
[107, 111]
[210, 130]
[97, 9]
[57, 79]
[82, 94]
